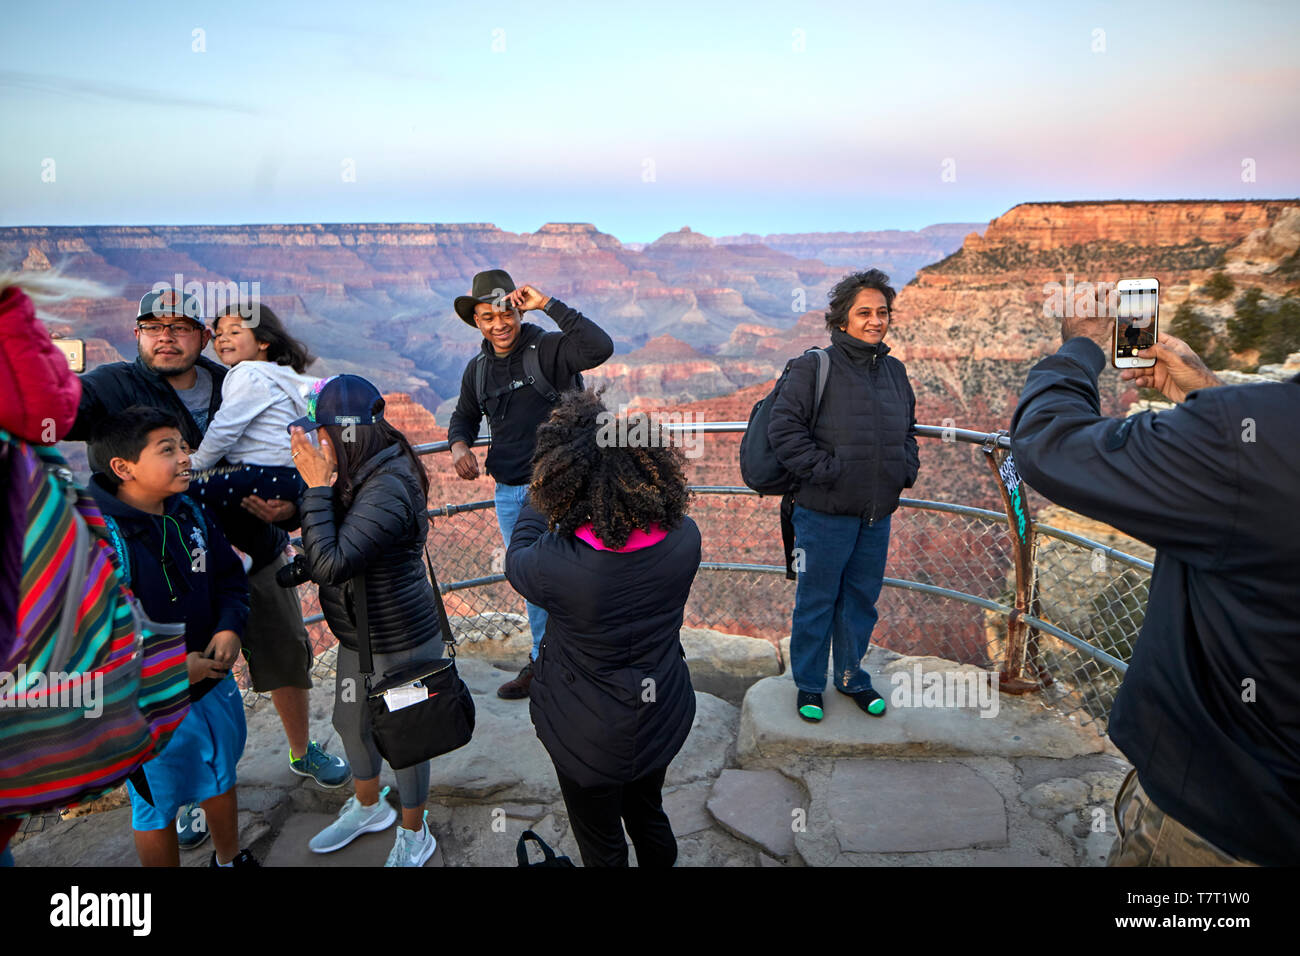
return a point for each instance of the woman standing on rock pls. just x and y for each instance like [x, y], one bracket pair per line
[611, 696]
[364, 512]
[851, 462]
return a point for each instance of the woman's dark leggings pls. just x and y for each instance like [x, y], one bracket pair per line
[597, 815]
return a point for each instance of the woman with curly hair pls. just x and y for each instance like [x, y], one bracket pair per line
[605, 546]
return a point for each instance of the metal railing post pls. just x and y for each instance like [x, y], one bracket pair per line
[1021, 527]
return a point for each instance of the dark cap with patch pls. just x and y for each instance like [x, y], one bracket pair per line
[162, 303]
[341, 400]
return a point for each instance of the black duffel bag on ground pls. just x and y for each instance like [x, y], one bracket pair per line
[420, 710]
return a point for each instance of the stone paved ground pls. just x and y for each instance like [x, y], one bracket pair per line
[754, 786]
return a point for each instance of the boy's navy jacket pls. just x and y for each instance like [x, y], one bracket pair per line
[111, 389]
[212, 599]
[579, 345]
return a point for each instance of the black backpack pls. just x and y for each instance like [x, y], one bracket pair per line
[759, 468]
[532, 376]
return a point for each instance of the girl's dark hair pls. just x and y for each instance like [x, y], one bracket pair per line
[582, 472]
[847, 289]
[367, 442]
[282, 348]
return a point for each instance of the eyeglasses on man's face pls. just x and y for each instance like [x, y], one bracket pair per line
[177, 330]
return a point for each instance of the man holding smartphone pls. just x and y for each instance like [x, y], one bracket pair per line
[1209, 710]
[514, 381]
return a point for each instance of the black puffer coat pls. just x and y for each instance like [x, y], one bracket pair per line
[611, 696]
[382, 534]
[861, 452]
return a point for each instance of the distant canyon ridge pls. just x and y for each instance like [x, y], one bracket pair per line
[696, 321]
[376, 300]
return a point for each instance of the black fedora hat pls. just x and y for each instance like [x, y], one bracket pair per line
[488, 286]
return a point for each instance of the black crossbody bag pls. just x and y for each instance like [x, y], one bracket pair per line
[420, 710]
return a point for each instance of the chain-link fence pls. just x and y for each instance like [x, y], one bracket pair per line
[951, 589]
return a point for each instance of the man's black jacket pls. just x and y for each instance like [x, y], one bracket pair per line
[115, 387]
[1209, 711]
[579, 345]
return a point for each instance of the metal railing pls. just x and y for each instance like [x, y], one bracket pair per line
[1054, 612]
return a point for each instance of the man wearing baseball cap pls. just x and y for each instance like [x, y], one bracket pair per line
[514, 381]
[171, 374]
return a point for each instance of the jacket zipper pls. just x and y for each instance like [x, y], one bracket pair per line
[875, 407]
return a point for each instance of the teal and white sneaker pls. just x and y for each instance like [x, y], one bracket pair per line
[411, 848]
[354, 820]
[326, 769]
[191, 826]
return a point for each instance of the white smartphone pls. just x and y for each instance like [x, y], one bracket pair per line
[74, 350]
[1137, 317]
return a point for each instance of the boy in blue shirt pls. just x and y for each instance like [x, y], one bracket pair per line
[183, 571]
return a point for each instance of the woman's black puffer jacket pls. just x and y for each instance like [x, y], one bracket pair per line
[611, 696]
[382, 534]
[860, 453]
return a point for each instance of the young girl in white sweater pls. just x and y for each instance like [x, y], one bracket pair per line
[262, 393]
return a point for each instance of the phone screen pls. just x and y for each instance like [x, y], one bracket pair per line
[1136, 320]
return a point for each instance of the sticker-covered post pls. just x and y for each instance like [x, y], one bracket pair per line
[1022, 531]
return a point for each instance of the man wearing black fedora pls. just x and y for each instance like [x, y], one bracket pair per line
[514, 381]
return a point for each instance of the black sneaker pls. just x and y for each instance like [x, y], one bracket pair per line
[245, 858]
[870, 702]
[809, 706]
[517, 689]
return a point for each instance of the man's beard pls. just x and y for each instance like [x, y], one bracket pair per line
[168, 372]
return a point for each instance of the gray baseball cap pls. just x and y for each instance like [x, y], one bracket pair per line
[160, 303]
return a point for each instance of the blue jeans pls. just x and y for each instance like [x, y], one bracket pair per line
[843, 570]
[510, 499]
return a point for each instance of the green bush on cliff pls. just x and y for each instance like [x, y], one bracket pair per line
[1272, 327]
[1219, 287]
[1191, 328]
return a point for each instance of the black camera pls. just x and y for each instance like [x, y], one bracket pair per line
[294, 573]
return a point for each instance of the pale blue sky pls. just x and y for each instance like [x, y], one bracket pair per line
[746, 132]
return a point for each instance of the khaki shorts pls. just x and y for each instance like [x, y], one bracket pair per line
[275, 642]
[1150, 837]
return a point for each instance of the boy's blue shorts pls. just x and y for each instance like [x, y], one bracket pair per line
[198, 762]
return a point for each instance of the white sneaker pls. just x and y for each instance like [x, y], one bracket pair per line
[354, 820]
[411, 848]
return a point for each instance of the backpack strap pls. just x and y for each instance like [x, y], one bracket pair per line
[823, 373]
[480, 382]
[533, 375]
[118, 541]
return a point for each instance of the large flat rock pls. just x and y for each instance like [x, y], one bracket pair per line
[506, 762]
[893, 806]
[760, 806]
[725, 665]
[771, 731]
